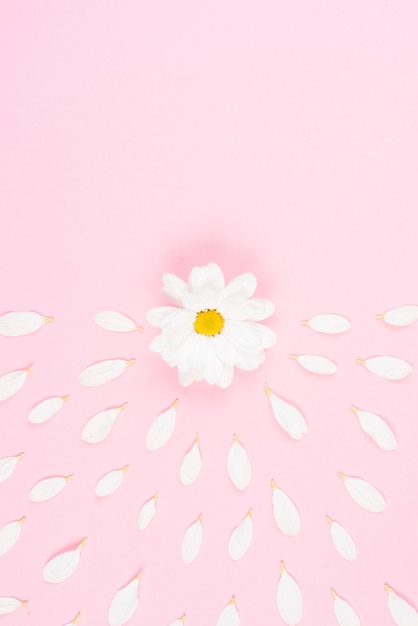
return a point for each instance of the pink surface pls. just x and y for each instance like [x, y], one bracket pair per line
[139, 138]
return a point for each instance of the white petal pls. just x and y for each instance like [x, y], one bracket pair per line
[20, 323]
[110, 482]
[46, 409]
[98, 427]
[161, 428]
[206, 277]
[329, 323]
[342, 540]
[315, 363]
[402, 316]
[8, 605]
[11, 383]
[401, 611]
[178, 622]
[9, 534]
[229, 615]
[192, 541]
[61, 567]
[344, 612]
[74, 621]
[124, 603]
[289, 599]
[239, 308]
[243, 286]
[239, 468]
[147, 512]
[242, 335]
[191, 464]
[389, 367]
[174, 288]
[163, 316]
[48, 488]
[364, 494]
[118, 322]
[103, 372]
[285, 512]
[241, 537]
[287, 416]
[377, 428]
[7, 466]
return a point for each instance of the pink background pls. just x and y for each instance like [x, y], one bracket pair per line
[273, 137]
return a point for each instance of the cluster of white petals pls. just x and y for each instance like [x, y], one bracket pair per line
[206, 305]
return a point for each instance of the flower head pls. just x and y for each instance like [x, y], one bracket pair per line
[214, 327]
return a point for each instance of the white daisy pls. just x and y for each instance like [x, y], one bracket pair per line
[214, 326]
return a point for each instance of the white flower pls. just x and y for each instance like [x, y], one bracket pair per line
[214, 327]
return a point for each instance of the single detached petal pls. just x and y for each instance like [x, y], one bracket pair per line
[285, 512]
[103, 372]
[241, 537]
[229, 615]
[402, 612]
[12, 383]
[192, 541]
[46, 409]
[289, 598]
[344, 612]
[377, 429]
[74, 621]
[9, 605]
[110, 482]
[389, 367]
[238, 465]
[9, 534]
[363, 493]
[98, 427]
[124, 603]
[162, 428]
[328, 323]
[7, 466]
[401, 316]
[147, 512]
[48, 488]
[20, 323]
[61, 567]
[287, 416]
[342, 540]
[118, 322]
[315, 363]
[191, 465]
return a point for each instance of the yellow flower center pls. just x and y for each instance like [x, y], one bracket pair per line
[209, 322]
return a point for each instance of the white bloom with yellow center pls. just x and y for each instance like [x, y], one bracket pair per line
[214, 327]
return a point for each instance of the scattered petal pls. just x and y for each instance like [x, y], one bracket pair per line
[344, 612]
[342, 540]
[46, 409]
[377, 428]
[285, 512]
[162, 428]
[315, 364]
[289, 598]
[192, 541]
[7, 466]
[8, 605]
[147, 512]
[74, 621]
[401, 611]
[287, 416]
[389, 367]
[11, 383]
[20, 323]
[124, 603]
[191, 464]
[103, 372]
[239, 468]
[9, 534]
[61, 567]
[328, 323]
[98, 427]
[241, 537]
[229, 615]
[402, 316]
[48, 488]
[118, 322]
[110, 482]
[363, 493]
